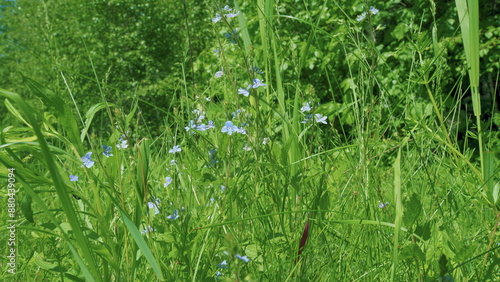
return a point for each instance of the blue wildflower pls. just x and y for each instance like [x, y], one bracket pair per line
[232, 15]
[123, 144]
[243, 91]
[382, 205]
[305, 108]
[199, 115]
[229, 128]
[374, 10]
[223, 188]
[174, 216]
[149, 229]
[232, 36]
[73, 177]
[243, 258]
[190, 126]
[217, 18]
[223, 264]
[87, 161]
[257, 70]
[152, 205]
[107, 151]
[227, 8]
[202, 127]
[237, 113]
[308, 119]
[210, 124]
[361, 17]
[241, 130]
[168, 180]
[175, 149]
[219, 74]
[320, 118]
[257, 83]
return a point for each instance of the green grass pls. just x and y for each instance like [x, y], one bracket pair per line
[387, 191]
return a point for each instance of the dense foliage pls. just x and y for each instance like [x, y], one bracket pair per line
[258, 140]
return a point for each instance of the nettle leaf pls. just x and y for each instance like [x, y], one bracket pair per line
[412, 251]
[413, 208]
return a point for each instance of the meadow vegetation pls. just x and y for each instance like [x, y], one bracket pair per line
[251, 140]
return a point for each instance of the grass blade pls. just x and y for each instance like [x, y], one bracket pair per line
[62, 193]
[399, 214]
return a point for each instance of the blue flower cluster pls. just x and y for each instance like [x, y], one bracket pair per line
[196, 124]
[318, 118]
[230, 128]
[256, 84]
[224, 264]
[361, 17]
[229, 14]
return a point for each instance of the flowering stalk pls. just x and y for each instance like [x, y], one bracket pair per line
[303, 241]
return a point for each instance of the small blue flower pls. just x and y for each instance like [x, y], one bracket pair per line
[210, 124]
[217, 18]
[107, 151]
[229, 128]
[124, 143]
[227, 8]
[361, 17]
[320, 118]
[241, 130]
[202, 127]
[216, 51]
[173, 162]
[149, 229]
[219, 74]
[257, 83]
[382, 205]
[243, 91]
[257, 70]
[305, 108]
[153, 205]
[243, 258]
[238, 111]
[199, 115]
[223, 188]
[308, 119]
[232, 36]
[190, 126]
[223, 264]
[168, 180]
[174, 216]
[73, 177]
[87, 161]
[232, 15]
[374, 10]
[175, 149]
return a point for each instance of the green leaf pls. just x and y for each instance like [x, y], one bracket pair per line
[26, 208]
[413, 208]
[59, 109]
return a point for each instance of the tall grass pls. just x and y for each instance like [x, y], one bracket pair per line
[284, 197]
